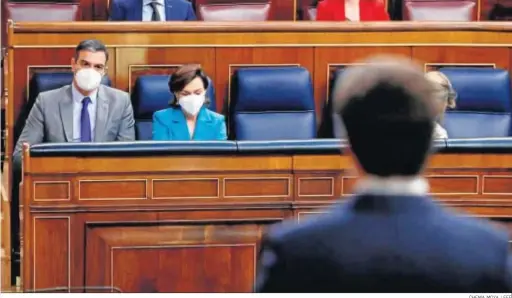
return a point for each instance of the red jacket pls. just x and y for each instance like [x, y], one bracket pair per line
[334, 10]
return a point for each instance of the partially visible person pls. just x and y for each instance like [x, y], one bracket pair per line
[152, 10]
[85, 111]
[352, 10]
[188, 118]
[444, 98]
[391, 236]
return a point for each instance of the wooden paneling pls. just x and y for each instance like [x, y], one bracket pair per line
[432, 57]
[146, 225]
[52, 190]
[179, 188]
[174, 257]
[132, 62]
[126, 189]
[51, 242]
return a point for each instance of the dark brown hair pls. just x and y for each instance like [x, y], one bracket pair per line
[387, 108]
[182, 77]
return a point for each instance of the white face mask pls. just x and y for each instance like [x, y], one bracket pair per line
[88, 79]
[191, 104]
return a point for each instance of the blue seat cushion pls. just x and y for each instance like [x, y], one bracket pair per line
[483, 103]
[477, 125]
[272, 103]
[275, 126]
[480, 89]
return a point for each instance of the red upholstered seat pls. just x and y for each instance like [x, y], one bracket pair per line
[42, 11]
[454, 10]
[235, 12]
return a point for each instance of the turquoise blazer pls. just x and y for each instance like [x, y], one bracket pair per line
[170, 125]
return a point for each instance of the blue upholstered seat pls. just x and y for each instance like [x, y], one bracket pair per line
[483, 103]
[272, 103]
[150, 94]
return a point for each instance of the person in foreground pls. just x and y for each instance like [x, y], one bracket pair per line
[84, 111]
[151, 10]
[444, 98]
[188, 118]
[390, 236]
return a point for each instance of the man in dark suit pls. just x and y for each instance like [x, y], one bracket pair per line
[390, 236]
[151, 10]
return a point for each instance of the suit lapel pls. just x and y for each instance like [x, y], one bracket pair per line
[66, 113]
[179, 126]
[203, 124]
[101, 116]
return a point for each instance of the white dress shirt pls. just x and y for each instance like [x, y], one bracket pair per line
[392, 186]
[77, 112]
[147, 10]
[440, 132]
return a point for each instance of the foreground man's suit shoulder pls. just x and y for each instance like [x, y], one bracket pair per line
[385, 244]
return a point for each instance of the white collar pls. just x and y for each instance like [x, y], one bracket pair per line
[161, 2]
[77, 96]
[440, 132]
[396, 185]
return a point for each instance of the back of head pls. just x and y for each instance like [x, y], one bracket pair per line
[387, 109]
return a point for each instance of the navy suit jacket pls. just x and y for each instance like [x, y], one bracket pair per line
[386, 244]
[131, 10]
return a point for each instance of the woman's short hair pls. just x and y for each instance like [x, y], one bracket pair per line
[446, 88]
[182, 77]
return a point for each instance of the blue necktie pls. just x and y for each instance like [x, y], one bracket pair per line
[85, 121]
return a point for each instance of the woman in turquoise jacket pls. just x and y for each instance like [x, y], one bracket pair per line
[188, 118]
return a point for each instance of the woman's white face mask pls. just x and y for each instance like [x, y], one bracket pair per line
[192, 104]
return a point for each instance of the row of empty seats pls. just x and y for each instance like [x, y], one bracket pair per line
[277, 103]
[260, 10]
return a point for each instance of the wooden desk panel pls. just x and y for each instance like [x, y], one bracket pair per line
[189, 224]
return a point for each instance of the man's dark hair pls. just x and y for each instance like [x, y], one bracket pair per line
[91, 45]
[387, 108]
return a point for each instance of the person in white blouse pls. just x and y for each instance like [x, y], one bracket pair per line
[445, 96]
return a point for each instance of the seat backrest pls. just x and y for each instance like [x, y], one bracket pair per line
[253, 12]
[42, 11]
[245, 10]
[272, 103]
[150, 94]
[440, 10]
[483, 103]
